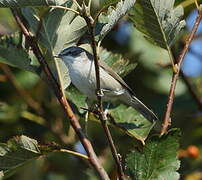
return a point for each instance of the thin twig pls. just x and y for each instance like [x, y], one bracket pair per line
[65, 8]
[90, 23]
[167, 119]
[73, 153]
[65, 105]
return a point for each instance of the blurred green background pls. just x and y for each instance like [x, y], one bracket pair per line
[28, 106]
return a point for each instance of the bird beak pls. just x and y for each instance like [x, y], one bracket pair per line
[56, 56]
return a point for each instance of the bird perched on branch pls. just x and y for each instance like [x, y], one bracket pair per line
[81, 67]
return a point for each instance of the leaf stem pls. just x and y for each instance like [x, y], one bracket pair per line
[175, 68]
[73, 153]
[89, 4]
[65, 8]
[167, 119]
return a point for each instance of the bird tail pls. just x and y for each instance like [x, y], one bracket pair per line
[140, 107]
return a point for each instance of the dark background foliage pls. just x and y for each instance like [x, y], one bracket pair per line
[28, 106]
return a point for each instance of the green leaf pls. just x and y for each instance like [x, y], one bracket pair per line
[77, 98]
[106, 3]
[16, 57]
[131, 122]
[113, 15]
[158, 160]
[119, 64]
[26, 3]
[158, 20]
[64, 74]
[18, 151]
[55, 27]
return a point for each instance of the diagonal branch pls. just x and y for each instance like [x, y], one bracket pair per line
[91, 27]
[167, 119]
[57, 90]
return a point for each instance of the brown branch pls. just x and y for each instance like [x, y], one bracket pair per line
[167, 119]
[65, 105]
[90, 23]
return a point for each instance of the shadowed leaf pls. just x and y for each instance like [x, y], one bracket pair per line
[15, 56]
[18, 151]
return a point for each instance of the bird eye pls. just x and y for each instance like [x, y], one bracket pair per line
[66, 53]
[74, 53]
[70, 52]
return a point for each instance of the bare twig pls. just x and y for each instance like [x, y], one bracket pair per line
[167, 119]
[90, 23]
[65, 105]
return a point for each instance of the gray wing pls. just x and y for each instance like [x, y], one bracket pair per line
[103, 65]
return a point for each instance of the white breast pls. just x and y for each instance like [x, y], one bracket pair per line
[82, 75]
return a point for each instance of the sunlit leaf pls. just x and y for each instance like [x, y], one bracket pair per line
[56, 28]
[158, 160]
[133, 123]
[158, 20]
[113, 15]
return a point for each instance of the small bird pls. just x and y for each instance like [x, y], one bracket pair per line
[81, 67]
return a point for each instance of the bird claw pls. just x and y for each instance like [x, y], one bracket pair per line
[100, 93]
